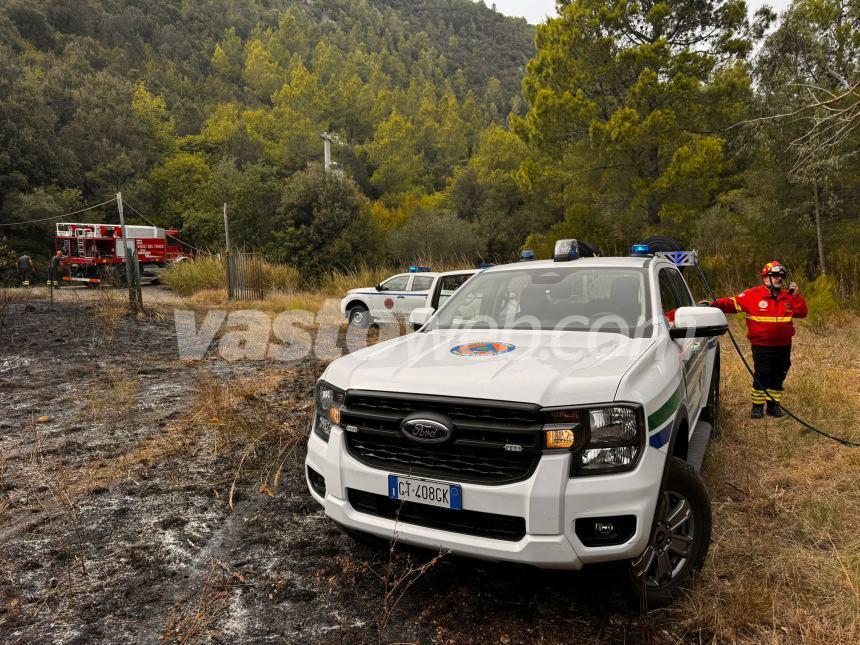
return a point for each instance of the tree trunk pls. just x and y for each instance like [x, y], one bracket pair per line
[822, 266]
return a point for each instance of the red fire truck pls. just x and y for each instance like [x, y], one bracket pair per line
[94, 253]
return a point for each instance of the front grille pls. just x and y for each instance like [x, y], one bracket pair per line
[491, 525]
[479, 452]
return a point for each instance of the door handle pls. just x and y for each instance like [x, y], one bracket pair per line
[400, 297]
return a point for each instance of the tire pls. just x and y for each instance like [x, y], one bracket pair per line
[711, 412]
[680, 538]
[359, 316]
[664, 243]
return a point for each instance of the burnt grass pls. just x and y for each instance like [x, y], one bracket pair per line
[115, 523]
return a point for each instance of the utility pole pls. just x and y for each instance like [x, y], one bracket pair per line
[134, 299]
[327, 138]
[228, 260]
[226, 231]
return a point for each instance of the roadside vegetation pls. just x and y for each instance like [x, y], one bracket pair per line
[204, 278]
[784, 564]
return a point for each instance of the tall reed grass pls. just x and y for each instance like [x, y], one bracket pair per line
[209, 272]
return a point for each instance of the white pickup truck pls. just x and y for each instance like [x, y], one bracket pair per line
[389, 301]
[443, 287]
[553, 413]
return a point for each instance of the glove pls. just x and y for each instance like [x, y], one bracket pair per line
[792, 288]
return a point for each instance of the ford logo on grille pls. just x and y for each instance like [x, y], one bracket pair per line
[426, 430]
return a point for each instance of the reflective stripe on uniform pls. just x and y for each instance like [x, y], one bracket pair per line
[737, 306]
[776, 395]
[770, 319]
[758, 396]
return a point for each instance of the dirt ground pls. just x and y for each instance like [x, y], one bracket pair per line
[115, 521]
[118, 463]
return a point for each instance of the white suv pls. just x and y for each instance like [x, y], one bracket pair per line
[552, 413]
[390, 300]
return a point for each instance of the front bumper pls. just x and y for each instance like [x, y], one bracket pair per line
[549, 501]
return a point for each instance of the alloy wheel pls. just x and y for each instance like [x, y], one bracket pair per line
[669, 550]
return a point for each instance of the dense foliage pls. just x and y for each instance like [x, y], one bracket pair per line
[184, 106]
[465, 134]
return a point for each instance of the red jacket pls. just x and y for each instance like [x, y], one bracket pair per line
[768, 317]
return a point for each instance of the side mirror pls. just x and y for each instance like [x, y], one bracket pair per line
[378, 287]
[698, 322]
[419, 317]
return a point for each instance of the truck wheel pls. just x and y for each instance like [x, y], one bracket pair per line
[359, 316]
[711, 413]
[679, 541]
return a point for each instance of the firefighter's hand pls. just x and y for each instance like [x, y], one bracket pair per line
[792, 288]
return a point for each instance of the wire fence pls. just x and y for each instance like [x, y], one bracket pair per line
[246, 277]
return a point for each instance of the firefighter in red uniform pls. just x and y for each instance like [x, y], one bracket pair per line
[769, 310]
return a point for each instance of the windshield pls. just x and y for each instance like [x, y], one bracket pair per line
[564, 298]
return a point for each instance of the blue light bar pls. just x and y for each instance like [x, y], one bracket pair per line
[641, 249]
[485, 265]
[527, 255]
[419, 269]
[566, 250]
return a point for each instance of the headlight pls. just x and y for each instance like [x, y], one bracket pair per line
[603, 439]
[329, 401]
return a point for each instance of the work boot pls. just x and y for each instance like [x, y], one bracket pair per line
[757, 411]
[775, 410]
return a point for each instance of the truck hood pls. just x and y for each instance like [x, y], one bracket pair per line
[544, 367]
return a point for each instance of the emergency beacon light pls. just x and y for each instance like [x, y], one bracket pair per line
[565, 250]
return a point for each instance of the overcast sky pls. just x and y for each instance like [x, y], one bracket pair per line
[536, 11]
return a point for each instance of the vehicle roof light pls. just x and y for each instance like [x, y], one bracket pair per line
[640, 249]
[680, 258]
[565, 250]
[485, 265]
[414, 269]
[527, 255]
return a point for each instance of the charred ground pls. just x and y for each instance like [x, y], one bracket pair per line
[146, 498]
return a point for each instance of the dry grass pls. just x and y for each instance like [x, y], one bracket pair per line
[193, 619]
[784, 565]
[110, 306]
[274, 303]
[205, 279]
[256, 432]
[113, 394]
[209, 272]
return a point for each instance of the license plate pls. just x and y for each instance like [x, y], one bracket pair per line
[425, 492]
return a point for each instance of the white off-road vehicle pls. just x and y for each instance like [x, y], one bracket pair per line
[389, 301]
[443, 287]
[553, 413]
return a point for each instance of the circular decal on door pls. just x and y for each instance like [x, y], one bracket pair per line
[482, 349]
[389, 303]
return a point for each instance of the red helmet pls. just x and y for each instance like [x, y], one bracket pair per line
[773, 267]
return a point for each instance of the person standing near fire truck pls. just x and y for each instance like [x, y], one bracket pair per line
[55, 269]
[25, 270]
[769, 310]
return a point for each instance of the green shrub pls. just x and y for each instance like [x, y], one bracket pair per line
[825, 308]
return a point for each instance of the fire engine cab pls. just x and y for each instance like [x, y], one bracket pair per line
[93, 253]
